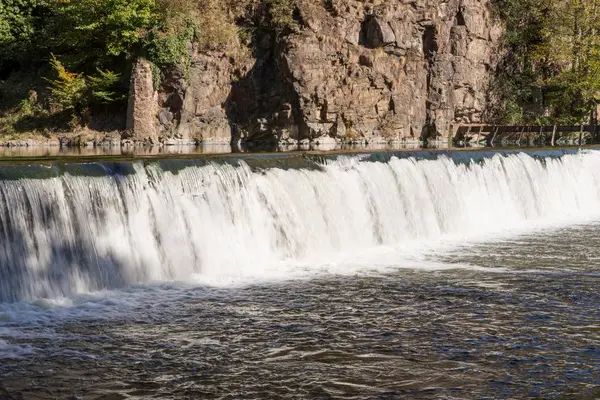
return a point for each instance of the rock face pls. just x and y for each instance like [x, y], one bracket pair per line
[353, 71]
[193, 109]
[141, 110]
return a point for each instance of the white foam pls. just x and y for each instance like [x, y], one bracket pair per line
[14, 351]
[226, 225]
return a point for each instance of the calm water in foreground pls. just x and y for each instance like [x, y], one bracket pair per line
[512, 318]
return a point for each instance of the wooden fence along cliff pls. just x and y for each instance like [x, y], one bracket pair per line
[497, 135]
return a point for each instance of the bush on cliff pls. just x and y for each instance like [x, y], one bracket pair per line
[205, 24]
[281, 15]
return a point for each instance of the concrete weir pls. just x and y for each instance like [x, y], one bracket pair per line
[49, 167]
[73, 226]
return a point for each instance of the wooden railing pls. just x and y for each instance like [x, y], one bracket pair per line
[541, 134]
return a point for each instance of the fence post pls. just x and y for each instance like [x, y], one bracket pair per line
[553, 136]
[521, 136]
[466, 136]
[580, 134]
[494, 137]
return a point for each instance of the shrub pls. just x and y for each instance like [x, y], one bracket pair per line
[68, 90]
[281, 15]
[206, 23]
[105, 88]
[168, 44]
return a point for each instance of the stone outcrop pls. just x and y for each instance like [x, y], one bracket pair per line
[402, 69]
[353, 71]
[193, 109]
[142, 107]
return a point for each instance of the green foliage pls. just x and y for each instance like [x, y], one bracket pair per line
[68, 89]
[105, 87]
[169, 45]
[281, 15]
[109, 34]
[204, 23]
[117, 27]
[24, 109]
[16, 20]
[552, 71]
[97, 41]
[16, 28]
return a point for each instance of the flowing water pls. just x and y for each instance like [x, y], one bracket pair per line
[454, 276]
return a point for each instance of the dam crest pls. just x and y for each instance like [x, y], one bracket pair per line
[75, 228]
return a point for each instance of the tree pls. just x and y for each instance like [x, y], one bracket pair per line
[16, 29]
[517, 85]
[101, 30]
[552, 68]
[105, 88]
[68, 89]
[570, 51]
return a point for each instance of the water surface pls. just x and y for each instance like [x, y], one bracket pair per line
[390, 280]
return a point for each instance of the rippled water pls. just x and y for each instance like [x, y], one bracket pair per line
[514, 317]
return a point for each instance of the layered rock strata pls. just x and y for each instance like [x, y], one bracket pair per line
[354, 71]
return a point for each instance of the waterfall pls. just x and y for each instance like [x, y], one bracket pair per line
[70, 234]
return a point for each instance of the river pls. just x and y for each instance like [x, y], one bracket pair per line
[445, 276]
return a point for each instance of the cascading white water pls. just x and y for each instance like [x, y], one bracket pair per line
[71, 234]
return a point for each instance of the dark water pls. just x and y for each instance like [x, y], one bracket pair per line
[527, 325]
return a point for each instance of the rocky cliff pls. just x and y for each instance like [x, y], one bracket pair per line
[352, 71]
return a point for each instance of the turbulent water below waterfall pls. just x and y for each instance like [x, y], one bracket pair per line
[440, 277]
